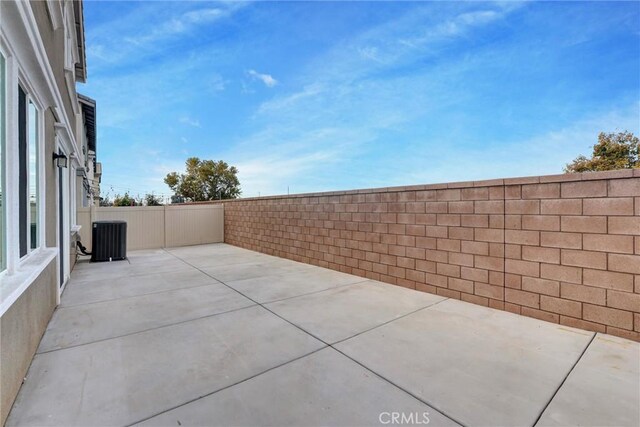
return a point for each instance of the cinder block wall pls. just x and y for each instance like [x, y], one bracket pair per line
[562, 248]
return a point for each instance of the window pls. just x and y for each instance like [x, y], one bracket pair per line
[3, 243]
[22, 170]
[27, 173]
[33, 175]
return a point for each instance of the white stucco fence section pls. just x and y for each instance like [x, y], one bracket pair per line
[151, 227]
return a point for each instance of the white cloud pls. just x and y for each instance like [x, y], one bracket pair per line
[179, 25]
[267, 79]
[350, 103]
[190, 121]
[134, 36]
[545, 153]
[479, 17]
[343, 107]
[216, 83]
[286, 101]
[202, 15]
[272, 160]
[407, 45]
[369, 53]
[275, 173]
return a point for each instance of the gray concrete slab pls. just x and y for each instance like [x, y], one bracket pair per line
[118, 269]
[322, 389]
[602, 390]
[477, 365]
[275, 287]
[126, 380]
[84, 266]
[211, 249]
[84, 292]
[251, 270]
[208, 261]
[215, 258]
[133, 257]
[339, 313]
[149, 255]
[227, 273]
[82, 324]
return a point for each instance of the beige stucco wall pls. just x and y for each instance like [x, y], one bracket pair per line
[51, 177]
[21, 328]
[53, 41]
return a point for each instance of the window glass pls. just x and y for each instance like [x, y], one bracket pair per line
[23, 176]
[33, 174]
[3, 243]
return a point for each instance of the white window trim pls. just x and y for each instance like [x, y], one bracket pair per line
[42, 181]
[70, 40]
[63, 239]
[70, 52]
[39, 161]
[23, 81]
[72, 195]
[11, 167]
[3, 160]
[55, 13]
[14, 285]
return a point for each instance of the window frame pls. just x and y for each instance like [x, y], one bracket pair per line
[38, 186]
[25, 211]
[9, 114]
[32, 97]
[23, 173]
[3, 159]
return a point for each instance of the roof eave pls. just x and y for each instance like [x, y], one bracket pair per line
[89, 113]
[81, 65]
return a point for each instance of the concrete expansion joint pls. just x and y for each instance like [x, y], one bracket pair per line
[145, 330]
[326, 345]
[565, 378]
[226, 387]
[61, 307]
[305, 339]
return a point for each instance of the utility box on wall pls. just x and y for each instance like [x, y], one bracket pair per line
[109, 241]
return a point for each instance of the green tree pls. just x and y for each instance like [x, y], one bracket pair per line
[152, 200]
[613, 151]
[205, 180]
[105, 201]
[126, 200]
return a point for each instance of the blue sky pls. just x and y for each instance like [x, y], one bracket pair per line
[316, 96]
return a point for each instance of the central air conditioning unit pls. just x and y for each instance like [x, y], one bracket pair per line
[109, 241]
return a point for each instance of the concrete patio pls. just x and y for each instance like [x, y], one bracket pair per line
[218, 335]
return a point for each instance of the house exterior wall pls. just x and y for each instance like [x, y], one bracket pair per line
[29, 287]
[563, 248]
[51, 179]
[21, 328]
[54, 44]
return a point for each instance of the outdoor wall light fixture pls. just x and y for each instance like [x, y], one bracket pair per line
[60, 160]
